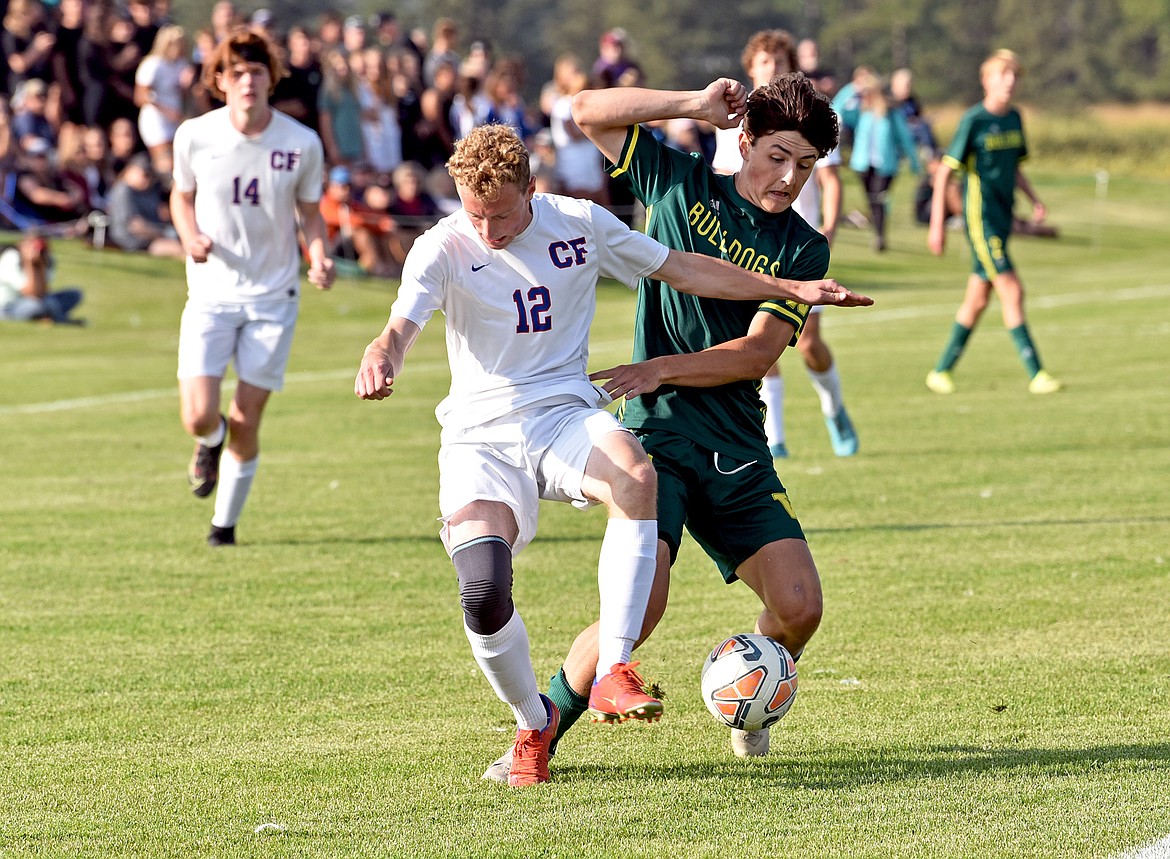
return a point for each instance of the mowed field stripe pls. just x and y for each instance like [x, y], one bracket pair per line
[861, 317]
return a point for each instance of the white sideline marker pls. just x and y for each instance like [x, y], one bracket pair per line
[1158, 850]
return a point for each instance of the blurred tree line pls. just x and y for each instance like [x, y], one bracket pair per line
[1075, 51]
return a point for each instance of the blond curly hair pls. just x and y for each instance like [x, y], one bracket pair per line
[489, 158]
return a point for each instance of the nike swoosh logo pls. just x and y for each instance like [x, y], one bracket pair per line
[481, 265]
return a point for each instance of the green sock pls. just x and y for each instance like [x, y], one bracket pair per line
[954, 348]
[571, 705]
[1025, 349]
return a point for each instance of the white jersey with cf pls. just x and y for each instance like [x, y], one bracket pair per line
[518, 318]
[246, 191]
[522, 417]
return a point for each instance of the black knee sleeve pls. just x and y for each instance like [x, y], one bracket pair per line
[484, 570]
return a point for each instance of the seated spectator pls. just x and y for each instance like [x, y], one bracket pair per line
[43, 194]
[123, 143]
[97, 166]
[26, 272]
[358, 232]
[413, 209]
[28, 112]
[136, 210]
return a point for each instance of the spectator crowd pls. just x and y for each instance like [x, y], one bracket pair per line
[92, 91]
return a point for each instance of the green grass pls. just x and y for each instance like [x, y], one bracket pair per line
[991, 676]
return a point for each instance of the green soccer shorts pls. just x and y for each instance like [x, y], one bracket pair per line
[732, 507]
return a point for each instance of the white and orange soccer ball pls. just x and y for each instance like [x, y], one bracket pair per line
[749, 682]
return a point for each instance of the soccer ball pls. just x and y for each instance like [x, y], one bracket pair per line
[749, 682]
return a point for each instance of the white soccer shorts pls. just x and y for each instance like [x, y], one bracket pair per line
[255, 338]
[519, 459]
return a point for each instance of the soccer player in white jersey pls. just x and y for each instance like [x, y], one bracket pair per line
[515, 274]
[767, 54]
[244, 176]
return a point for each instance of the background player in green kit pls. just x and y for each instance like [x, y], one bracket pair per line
[988, 147]
[692, 392]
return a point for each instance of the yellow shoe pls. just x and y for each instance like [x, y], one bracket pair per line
[1042, 383]
[940, 382]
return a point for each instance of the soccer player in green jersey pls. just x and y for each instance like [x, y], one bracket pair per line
[692, 391]
[987, 148]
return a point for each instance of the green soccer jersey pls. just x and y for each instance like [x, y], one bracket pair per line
[987, 149]
[691, 208]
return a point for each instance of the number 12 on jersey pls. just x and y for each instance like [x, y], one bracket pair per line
[534, 316]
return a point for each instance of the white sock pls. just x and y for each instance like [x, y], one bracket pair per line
[828, 388]
[504, 660]
[215, 437]
[235, 482]
[772, 393]
[625, 574]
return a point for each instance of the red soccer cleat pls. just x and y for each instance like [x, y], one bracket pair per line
[619, 695]
[530, 753]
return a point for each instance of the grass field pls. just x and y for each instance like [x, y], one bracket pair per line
[991, 677]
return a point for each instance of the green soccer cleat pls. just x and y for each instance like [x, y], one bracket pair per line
[1043, 383]
[940, 382]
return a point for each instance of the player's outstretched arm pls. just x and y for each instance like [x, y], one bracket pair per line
[711, 277]
[605, 114]
[747, 357]
[382, 361]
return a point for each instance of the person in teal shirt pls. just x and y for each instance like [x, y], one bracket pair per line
[881, 139]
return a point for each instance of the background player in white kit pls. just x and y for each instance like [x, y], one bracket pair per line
[244, 175]
[769, 53]
[515, 275]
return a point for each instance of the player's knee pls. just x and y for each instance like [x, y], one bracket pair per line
[635, 486]
[484, 570]
[807, 617]
[199, 421]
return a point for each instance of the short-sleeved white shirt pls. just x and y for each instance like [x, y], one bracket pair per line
[246, 191]
[518, 318]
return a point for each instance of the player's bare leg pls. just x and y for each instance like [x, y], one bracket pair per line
[784, 577]
[199, 399]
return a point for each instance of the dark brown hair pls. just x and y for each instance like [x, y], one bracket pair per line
[789, 102]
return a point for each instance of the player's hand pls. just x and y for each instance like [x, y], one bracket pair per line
[813, 292]
[198, 247]
[375, 377]
[629, 380]
[725, 101]
[321, 275]
[1039, 212]
[936, 239]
